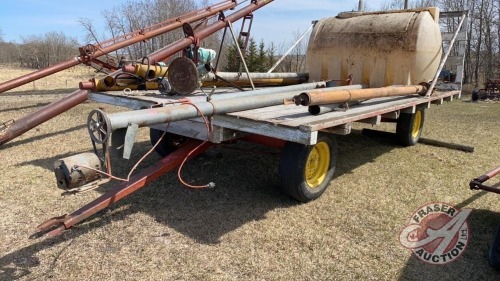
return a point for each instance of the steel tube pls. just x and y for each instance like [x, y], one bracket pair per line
[172, 113]
[267, 79]
[207, 31]
[234, 76]
[45, 113]
[328, 96]
[135, 37]
[488, 175]
[19, 81]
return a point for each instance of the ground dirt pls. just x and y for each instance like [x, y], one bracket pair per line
[245, 228]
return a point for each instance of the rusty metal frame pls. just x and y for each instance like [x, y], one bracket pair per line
[478, 183]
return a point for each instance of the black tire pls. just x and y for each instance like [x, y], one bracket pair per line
[409, 127]
[168, 144]
[302, 176]
[494, 251]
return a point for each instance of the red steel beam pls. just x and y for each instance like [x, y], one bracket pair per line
[123, 189]
[205, 32]
[477, 183]
[43, 114]
[118, 43]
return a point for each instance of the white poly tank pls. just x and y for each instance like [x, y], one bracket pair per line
[377, 48]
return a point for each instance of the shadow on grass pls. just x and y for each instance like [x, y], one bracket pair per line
[39, 92]
[473, 263]
[25, 107]
[247, 188]
[39, 137]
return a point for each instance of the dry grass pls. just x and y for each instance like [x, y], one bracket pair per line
[245, 229]
[65, 79]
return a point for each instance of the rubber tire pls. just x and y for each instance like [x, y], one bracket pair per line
[168, 144]
[494, 251]
[404, 127]
[292, 170]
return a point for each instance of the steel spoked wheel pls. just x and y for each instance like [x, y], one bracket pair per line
[305, 171]
[99, 126]
[409, 127]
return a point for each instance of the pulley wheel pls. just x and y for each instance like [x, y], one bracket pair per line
[99, 126]
[183, 76]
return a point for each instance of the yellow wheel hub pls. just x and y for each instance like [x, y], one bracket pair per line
[417, 120]
[317, 164]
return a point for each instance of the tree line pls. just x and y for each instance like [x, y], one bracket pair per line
[482, 59]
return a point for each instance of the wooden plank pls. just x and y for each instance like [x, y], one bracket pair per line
[391, 115]
[121, 101]
[197, 129]
[265, 129]
[344, 129]
[375, 120]
[438, 101]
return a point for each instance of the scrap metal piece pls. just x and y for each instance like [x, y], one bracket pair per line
[183, 76]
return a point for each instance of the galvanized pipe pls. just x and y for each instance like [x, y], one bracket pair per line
[135, 37]
[234, 76]
[259, 92]
[171, 113]
[327, 96]
[266, 79]
[45, 113]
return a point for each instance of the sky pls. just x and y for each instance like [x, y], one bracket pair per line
[277, 22]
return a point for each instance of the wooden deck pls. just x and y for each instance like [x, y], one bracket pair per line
[287, 122]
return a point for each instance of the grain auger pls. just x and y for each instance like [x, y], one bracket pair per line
[90, 55]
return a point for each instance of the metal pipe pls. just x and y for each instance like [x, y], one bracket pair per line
[128, 39]
[443, 60]
[268, 79]
[361, 5]
[262, 92]
[19, 81]
[205, 32]
[242, 57]
[171, 113]
[329, 96]
[45, 113]
[291, 48]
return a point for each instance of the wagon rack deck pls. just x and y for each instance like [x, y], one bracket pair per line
[285, 122]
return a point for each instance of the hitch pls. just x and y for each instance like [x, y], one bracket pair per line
[477, 183]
